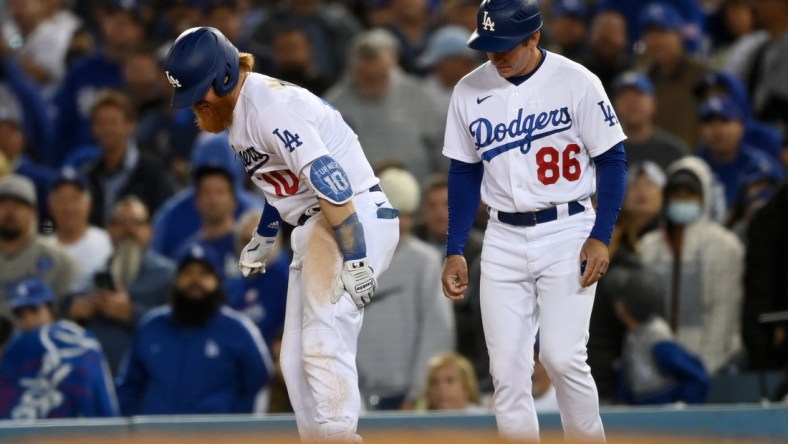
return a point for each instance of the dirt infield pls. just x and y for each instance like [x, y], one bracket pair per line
[381, 438]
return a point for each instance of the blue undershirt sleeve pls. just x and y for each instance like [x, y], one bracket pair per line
[612, 173]
[270, 221]
[465, 180]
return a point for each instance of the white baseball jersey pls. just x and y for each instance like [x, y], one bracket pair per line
[278, 129]
[536, 139]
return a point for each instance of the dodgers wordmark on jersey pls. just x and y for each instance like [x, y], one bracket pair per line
[279, 129]
[536, 139]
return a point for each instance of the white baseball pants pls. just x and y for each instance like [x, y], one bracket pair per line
[530, 280]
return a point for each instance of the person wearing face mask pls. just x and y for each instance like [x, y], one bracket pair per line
[700, 263]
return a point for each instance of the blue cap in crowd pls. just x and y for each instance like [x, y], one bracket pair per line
[573, 8]
[635, 80]
[69, 175]
[131, 7]
[30, 292]
[202, 254]
[661, 15]
[722, 107]
[448, 41]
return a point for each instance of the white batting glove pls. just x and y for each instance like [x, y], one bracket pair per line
[358, 278]
[255, 254]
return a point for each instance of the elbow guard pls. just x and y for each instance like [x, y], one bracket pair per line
[329, 180]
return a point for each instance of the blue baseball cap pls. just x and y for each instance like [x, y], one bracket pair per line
[722, 107]
[69, 175]
[573, 8]
[448, 41]
[30, 292]
[203, 254]
[635, 80]
[661, 15]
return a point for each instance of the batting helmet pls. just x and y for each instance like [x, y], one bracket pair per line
[201, 57]
[502, 24]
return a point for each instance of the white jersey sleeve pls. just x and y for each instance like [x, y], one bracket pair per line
[599, 128]
[458, 143]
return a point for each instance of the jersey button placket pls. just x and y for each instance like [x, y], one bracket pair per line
[515, 179]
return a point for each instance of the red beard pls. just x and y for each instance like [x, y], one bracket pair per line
[215, 117]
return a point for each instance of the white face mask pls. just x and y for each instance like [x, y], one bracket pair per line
[683, 212]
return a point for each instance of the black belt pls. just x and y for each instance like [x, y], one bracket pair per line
[537, 217]
[312, 211]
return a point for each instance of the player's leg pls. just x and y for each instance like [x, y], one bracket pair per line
[330, 331]
[565, 310]
[509, 314]
[290, 356]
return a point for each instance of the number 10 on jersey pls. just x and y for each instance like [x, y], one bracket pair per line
[552, 164]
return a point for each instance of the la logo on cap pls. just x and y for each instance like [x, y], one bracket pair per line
[173, 81]
[488, 24]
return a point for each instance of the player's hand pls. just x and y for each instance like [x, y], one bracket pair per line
[594, 260]
[255, 254]
[455, 276]
[358, 278]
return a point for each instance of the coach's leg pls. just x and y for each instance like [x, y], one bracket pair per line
[565, 310]
[509, 317]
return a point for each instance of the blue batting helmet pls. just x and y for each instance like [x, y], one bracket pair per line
[503, 24]
[201, 57]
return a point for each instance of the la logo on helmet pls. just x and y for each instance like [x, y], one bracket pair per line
[173, 81]
[488, 23]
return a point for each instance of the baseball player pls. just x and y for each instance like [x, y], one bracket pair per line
[527, 133]
[298, 150]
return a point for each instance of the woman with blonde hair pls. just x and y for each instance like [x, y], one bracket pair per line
[451, 384]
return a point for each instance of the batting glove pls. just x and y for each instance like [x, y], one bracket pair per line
[255, 254]
[358, 278]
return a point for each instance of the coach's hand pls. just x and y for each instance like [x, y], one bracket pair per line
[358, 278]
[596, 258]
[455, 276]
[255, 254]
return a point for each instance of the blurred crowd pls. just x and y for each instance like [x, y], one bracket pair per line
[121, 223]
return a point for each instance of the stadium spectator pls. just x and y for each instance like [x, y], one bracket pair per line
[759, 62]
[635, 105]
[644, 200]
[569, 28]
[14, 144]
[121, 168]
[134, 281]
[52, 369]
[194, 355]
[293, 60]
[450, 385]
[433, 227]
[446, 59]
[671, 69]
[178, 219]
[689, 11]
[609, 51]
[722, 135]
[655, 369]
[214, 195]
[23, 252]
[409, 320]
[329, 25]
[263, 296]
[757, 134]
[458, 13]
[35, 116]
[731, 21]
[766, 284]
[44, 34]
[389, 110]
[122, 32]
[89, 246]
[605, 329]
[410, 24]
[700, 264]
